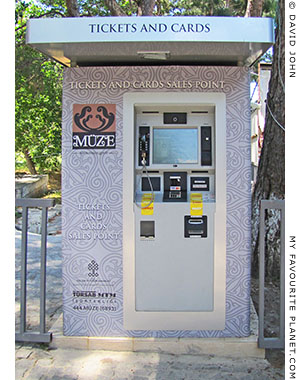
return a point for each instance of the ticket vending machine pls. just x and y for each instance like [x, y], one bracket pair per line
[174, 211]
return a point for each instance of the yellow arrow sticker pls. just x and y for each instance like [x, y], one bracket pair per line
[196, 203]
[147, 207]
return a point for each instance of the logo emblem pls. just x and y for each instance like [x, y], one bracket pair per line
[93, 269]
[94, 126]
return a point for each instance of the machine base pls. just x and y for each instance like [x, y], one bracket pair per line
[245, 347]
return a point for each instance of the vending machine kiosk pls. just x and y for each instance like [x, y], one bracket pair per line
[174, 212]
[156, 173]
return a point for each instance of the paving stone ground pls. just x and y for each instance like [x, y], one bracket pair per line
[36, 363]
[39, 362]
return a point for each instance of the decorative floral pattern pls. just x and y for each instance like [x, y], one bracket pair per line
[95, 178]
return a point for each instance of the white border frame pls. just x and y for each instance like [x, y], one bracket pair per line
[137, 320]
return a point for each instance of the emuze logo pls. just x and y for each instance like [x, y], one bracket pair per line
[94, 126]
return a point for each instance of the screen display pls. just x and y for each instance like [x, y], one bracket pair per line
[175, 145]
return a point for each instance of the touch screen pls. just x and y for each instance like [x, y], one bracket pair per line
[175, 145]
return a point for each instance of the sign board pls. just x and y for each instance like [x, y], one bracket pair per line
[92, 40]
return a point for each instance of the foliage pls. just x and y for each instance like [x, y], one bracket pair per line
[89, 8]
[38, 79]
[38, 98]
[269, 8]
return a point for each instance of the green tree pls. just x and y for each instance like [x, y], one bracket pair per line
[38, 79]
[37, 99]
[87, 8]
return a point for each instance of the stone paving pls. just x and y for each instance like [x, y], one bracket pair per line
[39, 362]
[34, 220]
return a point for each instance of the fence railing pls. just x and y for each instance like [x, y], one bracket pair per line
[270, 342]
[23, 335]
[42, 336]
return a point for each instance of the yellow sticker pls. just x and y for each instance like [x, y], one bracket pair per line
[147, 207]
[196, 203]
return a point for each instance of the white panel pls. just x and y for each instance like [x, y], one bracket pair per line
[117, 29]
[181, 294]
[174, 273]
[92, 40]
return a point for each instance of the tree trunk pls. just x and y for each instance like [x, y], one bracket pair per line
[29, 163]
[271, 169]
[72, 8]
[254, 8]
[139, 8]
[114, 8]
[147, 7]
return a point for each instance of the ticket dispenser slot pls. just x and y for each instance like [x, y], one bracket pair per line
[199, 183]
[195, 227]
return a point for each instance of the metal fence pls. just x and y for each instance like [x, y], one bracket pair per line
[45, 337]
[40, 336]
[266, 342]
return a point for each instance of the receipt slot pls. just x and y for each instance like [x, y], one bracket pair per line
[174, 211]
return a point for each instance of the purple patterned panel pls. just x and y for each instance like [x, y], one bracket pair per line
[92, 197]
